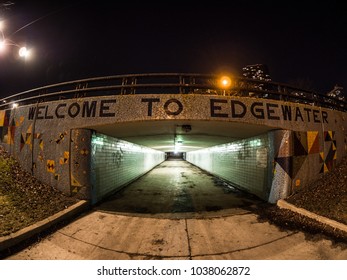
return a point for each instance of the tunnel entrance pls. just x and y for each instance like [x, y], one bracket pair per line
[236, 152]
[244, 164]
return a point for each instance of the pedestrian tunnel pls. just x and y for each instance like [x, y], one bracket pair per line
[246, 164]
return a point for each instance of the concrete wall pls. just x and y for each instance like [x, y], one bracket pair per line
[244, 163]
[115, 163]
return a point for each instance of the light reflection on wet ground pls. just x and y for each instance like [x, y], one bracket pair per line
[178, 187]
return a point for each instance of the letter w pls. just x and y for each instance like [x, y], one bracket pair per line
[286, 112]
[32, 111]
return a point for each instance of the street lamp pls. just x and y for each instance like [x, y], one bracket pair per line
[225, 83]
[23, 52]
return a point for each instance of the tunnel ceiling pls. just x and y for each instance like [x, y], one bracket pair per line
[161, 135]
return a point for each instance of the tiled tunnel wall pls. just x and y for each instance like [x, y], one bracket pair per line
[115, 163]
[243, 163]
[273, 165]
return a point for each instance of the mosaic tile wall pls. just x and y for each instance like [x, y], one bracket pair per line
[7, 127]
[115, 163]
[244, 163]
[300, 158]
[80, 160]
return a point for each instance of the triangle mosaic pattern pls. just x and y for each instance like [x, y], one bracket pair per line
[7, 127]
[308, 143]
[296, 158]
[328, 157]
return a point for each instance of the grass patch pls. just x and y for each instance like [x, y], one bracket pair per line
[6, 165]
[25, 200]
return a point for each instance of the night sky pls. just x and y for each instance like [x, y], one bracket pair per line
[302, 42]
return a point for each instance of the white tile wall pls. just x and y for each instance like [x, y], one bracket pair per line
[243, 163]
[116, 163]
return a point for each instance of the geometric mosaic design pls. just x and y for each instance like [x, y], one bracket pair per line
[304, 143]
[298, 162]
[287, 164]
[328, 157]
[25, 138]
[65, 159]
[300, 143]
[11, 132]
[2, 118]
[6, 131]
[61, 137]
[50, 166]
[75, 185]
[313, 142]
[5, 118]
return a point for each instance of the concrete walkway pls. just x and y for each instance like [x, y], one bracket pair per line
[99, 235]
[177, 211]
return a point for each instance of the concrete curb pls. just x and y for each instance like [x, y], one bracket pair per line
[285, 205]
[25, 233]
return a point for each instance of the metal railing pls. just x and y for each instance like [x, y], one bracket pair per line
[173, 83]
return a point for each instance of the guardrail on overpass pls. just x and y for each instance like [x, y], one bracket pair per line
[171, 83]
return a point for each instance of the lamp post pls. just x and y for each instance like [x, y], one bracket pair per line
[23, 53]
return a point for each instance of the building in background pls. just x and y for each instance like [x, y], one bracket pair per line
[257, 71]
[338, 96]
[337, 93]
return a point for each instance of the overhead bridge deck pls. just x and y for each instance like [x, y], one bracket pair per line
[92, 137]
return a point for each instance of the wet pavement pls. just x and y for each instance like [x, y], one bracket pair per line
[178, 187]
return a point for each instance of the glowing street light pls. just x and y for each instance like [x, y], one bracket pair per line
[23, 52]
[2, 45]
[225, 83]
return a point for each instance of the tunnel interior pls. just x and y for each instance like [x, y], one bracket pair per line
[230, 158]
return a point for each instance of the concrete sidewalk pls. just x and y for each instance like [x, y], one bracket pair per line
[174, 211]
[98, 235]
[82, 206]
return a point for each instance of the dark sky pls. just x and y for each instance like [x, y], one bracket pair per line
[302, 42]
